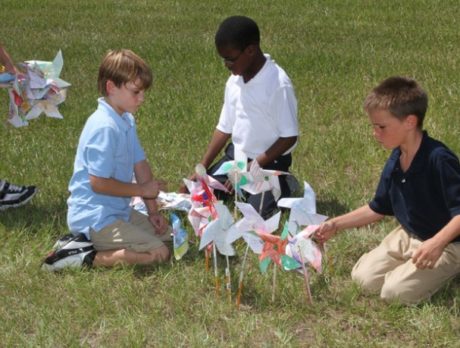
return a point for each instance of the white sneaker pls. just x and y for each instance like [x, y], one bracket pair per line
[76, 251]
[12, 196]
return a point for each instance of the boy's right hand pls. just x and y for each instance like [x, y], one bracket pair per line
[183, 187]
[150, 189]
[229, 186]
[325, 231]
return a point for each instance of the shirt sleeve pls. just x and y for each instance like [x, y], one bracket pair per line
[139, 154]
[227, 117]
[448, 167]
[99, 153]
[381, 203]
[284, 103]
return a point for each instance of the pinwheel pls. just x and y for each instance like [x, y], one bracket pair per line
[236, 171]
[165, 201]
[180, 237]
[202, 194]
[301, 247]
[207, 180]
[202, 205]
[263, 180]
[274, 249]
[36, 90]
[304, 250]
[303, 210]
[251, 221]
[216, 231]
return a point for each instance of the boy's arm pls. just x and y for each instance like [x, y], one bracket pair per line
[143, 174]
[217, 143]
[428, 253]
[357, 218]
[113, 187]
[277, 149]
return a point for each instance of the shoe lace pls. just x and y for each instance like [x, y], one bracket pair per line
[15, 188]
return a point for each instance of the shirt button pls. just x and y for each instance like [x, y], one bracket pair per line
[403, 180]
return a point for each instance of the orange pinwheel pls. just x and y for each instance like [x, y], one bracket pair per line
[275, 250]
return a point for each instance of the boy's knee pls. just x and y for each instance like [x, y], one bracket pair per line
[366, 279]
[394, 290]
[160, 254]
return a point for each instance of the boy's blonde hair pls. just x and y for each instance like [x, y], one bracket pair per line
[123, 66]
[401, 96]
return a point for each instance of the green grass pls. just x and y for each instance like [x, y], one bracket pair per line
[335, 52]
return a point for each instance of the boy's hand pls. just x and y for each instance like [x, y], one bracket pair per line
[427, 254]
[183, 188]
[228, 185]
[151, 188]
[159, 222]
[325, 231]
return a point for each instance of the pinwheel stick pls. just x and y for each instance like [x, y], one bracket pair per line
[228, 285]
[235, 211]
[206, 259]
[306, 278]
[243, 266]
[274, 282]
[240, 281]
[216, 275]
[327, 257]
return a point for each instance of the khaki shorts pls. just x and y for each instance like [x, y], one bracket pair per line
[388, 269]
[137, 235]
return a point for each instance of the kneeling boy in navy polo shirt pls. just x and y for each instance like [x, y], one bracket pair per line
[420, 187]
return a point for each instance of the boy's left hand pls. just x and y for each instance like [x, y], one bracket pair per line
[159, 222]
[427, 254]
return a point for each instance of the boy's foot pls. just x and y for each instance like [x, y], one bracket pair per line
[12, 196]
[75, 251]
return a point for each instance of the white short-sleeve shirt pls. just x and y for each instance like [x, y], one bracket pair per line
[260, 111]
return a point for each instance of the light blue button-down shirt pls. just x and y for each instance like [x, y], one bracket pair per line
[108, 148]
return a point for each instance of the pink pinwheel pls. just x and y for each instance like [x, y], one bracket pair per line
[304, 250]
[207, 180]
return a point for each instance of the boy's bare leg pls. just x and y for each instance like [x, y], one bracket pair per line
[109, 258]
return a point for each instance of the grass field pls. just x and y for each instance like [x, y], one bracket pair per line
[335, 52]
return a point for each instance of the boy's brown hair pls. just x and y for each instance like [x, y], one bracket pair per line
[401, 96]
[123, 66]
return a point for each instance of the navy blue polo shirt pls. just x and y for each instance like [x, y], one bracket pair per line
[425, 197]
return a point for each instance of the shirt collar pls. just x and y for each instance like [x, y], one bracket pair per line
[125, 121]
[260, 73]
[419, 160]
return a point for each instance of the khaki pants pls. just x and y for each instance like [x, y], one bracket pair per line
[137, 235]
[388, 269]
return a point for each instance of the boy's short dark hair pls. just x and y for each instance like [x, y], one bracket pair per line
[123, 66]
[238, 32]
[401, 96]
